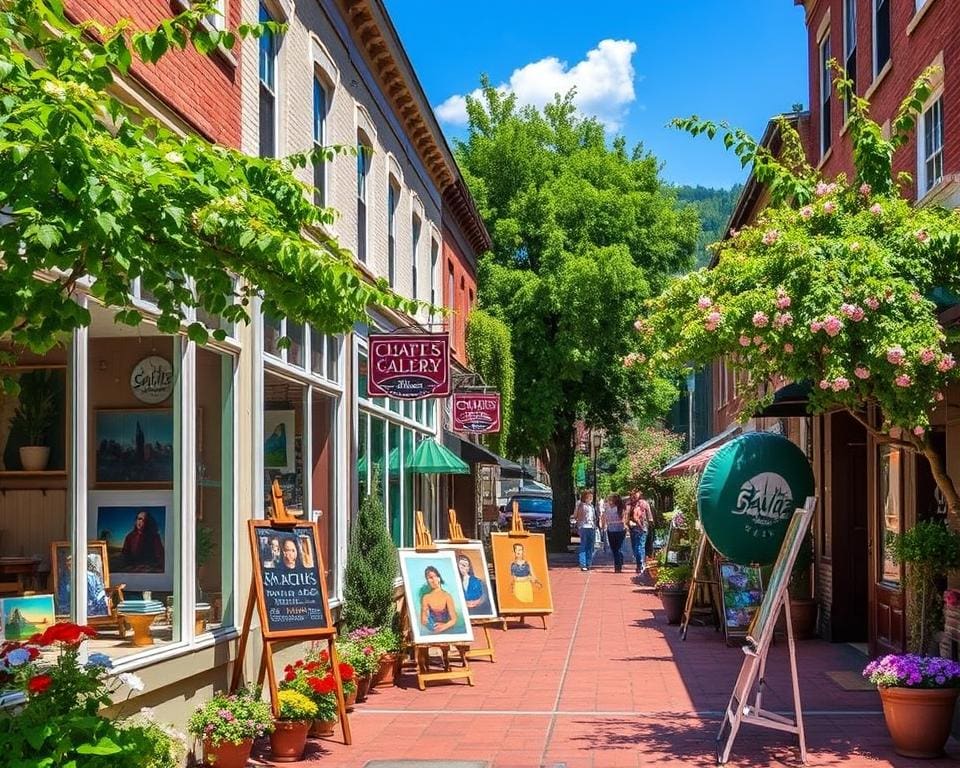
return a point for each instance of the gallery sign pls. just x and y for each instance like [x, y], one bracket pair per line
[476, 413]
[409, 366]
[152, 379]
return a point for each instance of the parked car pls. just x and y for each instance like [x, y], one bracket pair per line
[536, 511]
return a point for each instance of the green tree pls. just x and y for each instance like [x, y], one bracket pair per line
[92, 190]
[490, 355]
[714, 207]
[645, 450]
[836, 283]
[581, 233]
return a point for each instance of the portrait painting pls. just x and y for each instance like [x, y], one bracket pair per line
[520, 566]
[137, 528]
[134, 446]
[434, 595]
[26, 616]
[97, 577]
[474, 578]
[42, 391]
[742, 593]
[279, 431]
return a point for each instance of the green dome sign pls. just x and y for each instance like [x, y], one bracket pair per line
[747, 495]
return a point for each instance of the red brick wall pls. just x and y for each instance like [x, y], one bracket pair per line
[937, 30]
[202, 90]
[459, 294]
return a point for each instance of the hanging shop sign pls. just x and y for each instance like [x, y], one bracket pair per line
[409, 366]
[476, 413]
[152, 379]
[747, 495]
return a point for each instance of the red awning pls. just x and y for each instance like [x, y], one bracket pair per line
[691, 465]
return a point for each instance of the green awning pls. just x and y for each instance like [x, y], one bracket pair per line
[394, 461]
[432, 458]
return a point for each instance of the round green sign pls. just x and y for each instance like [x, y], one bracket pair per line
[747, 495]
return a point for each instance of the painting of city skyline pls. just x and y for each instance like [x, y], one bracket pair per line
[134, 446]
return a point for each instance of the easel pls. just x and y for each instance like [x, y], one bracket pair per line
[751, 678]
[518, 531]
[699, 563]
[457, 537]
[284, 522]
[423, 542]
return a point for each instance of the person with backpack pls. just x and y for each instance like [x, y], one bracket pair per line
[586, 519]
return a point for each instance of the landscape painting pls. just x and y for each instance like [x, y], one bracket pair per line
[134, 446]
[26, 616]
[279, 429]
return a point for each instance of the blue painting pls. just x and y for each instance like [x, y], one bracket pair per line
[26, 616]
[135, 446]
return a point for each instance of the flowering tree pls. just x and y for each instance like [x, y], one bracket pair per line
[832, 284]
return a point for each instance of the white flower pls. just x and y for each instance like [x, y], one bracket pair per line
[173, 157]
[130, 680]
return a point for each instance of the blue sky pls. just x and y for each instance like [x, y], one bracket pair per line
[735, 60]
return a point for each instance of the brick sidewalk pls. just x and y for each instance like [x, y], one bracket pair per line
[609, 684]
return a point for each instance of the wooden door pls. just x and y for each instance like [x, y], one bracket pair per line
[888, 627]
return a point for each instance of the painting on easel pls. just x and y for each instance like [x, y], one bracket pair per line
[474, 577]
[434, 596]
[520, 565]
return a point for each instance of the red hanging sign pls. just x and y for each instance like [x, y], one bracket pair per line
[409, 366]
[476, 413]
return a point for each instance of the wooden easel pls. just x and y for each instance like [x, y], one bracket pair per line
[711, 584]
[423, 542]
[485, 651]
[284, 522]
[751, 679]
[517, 530]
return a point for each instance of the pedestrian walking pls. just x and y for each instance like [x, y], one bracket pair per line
[613, 522]
[640, 526]
[586, 519]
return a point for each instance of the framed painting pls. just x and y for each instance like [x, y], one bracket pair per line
[474, 578]
[279, 431]
[26, 616]
[134, 447]
[41, 404]
[137, 529]
[523, 581]
[742, 592]
[434, 595]
[97, 574]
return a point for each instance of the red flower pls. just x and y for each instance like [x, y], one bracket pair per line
[312, 666]
[324, 657]
[64, 633]
[290, 676]
[327, 685]
[346, 672]
[288, 669]
[39, 683]
[299, 663]
[314, 683]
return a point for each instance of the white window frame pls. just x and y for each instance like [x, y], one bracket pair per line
[924, 184]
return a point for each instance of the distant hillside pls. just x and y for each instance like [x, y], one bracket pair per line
[715, 207]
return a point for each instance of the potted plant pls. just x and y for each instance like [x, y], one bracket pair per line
[33, 418]
[289, 737]
[918, 695]
[363, 658]
[929, 551]
[387, 643]
[803, 606]
[672, 584]
[313, 679]
[227, 726]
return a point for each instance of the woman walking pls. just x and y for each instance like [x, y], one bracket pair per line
[613, 521]
[639, 523]
[586, 518]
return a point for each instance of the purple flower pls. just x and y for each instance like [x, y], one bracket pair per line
[913, 671]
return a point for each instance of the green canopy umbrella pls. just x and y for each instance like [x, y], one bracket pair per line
[393, 463]
[432, 458]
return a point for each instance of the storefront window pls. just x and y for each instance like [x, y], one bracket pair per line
[295, 352]
[272, 331]
[378, 454]
[408, 498]
[395, 513]
[323, 479]
[283, 422]
[363, 459]
[891, 510]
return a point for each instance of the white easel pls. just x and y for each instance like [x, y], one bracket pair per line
[751, 679]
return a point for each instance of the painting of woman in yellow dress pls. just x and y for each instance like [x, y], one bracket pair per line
[523, 582]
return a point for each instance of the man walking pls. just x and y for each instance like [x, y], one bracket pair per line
[639, 523]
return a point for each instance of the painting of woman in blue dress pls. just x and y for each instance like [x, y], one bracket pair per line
[475, 591]
[438, 611]
[97, 602]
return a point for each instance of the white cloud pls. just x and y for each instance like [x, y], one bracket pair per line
[603, 82]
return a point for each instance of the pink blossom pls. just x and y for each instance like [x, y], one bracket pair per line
[788, 348]
[770, 237]
[840, 383]
[824, 384]
[865, 189]
[876, 209]
[852, 311]
[903, 380]
[781, 320]
[764, 347]
[757, 340]
[921, 235]
[832, 325]
[918, 430]
[861, 372]
[896, 355]
[873, 303]
[783, 300]
[816, 326]
[806, 213]
[946, 363]
[712, 321]
[938, 396]
[927, 356]
[829, 207]
[744, 341]
[704, 302]
[915, 296]
[760, 319]
[638, 325]
[825, 189]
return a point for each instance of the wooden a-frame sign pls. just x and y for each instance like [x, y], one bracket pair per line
[289, 590]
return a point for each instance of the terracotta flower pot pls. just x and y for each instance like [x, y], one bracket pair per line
[673, 603]
[387, 672]
[34, 458]
[288, 740]
[226, 754]
[351, 698]
[323, 727]
[919, 719]
[363, 685]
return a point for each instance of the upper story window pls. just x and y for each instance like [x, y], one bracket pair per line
[881, 34]
[393, 199]
[268, 89]
[319, 139]
[850, 47]
[920, 4]
[363, 172]
[930, 147]
[825, 126]
[434, 258]
[417, 227]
